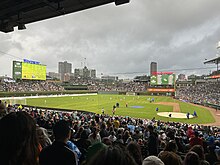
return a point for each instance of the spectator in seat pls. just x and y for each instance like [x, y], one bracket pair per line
[59, 153]
[190, 132]
[211, 156]
[112, 155]
[217, 152]
[2, 109]
[94, 137]
[135, 151]
[103, 132]
[152, 141]
[83, 144]
[152, 160]
[112, 136]
[170, 158]
[74, 148]
[200, 151]
[43, 137]
[196, 140]
[171, 146]
[191, 158]
[18, 140]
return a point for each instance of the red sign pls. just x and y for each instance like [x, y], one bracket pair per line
[210, 77]
[216, 76]
[160, 90]
[159, 73]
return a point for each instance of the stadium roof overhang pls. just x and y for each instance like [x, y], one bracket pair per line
[20, 12]
[213, 61]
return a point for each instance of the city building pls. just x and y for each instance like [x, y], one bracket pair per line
[153, 68]
[109, 78]
[64, 68]
[93, 73]
[143, 78]
[85, 73]
[54, 75]
[181, 77]
[194, 77]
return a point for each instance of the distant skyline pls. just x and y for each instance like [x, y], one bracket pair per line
[122, 40]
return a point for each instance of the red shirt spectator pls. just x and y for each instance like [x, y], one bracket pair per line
[190, 132]
[196, 140]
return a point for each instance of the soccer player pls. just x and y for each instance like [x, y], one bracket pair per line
[103, 110]
[187, 115]
[195, 114]
[114, 109]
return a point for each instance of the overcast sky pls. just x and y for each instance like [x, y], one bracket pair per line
[177, 34]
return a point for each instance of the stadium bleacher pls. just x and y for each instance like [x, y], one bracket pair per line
[174, 139]
[146, 137]
[208, 92]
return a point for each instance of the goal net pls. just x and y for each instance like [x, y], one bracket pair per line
[130, 93]
[14, 101]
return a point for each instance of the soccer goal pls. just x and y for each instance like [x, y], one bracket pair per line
[130, 93]
[15, 100]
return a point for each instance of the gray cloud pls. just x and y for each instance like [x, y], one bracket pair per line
[176, 34]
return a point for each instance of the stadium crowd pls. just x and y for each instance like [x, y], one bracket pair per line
[24, 86]
[97, 85]
[208, 92]
[119, 86]
[94, 139]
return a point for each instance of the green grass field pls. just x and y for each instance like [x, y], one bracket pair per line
[96, 102]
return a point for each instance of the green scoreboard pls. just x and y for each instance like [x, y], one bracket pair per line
[162, 79]
[29, 71]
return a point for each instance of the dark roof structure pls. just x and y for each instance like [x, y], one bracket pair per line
[20, 12]
[213, 61]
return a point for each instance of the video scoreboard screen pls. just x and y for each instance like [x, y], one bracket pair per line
[162, 79]
[29, 71]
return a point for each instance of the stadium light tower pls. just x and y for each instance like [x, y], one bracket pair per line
[215, 60]
[218, 45]
[218, 54]
[218, 49]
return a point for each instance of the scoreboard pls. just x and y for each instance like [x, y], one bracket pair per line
[29, 71]
[162, 79]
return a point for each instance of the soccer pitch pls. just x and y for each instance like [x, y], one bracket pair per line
[138, 106]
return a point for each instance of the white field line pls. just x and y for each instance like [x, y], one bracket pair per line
[45, 96]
